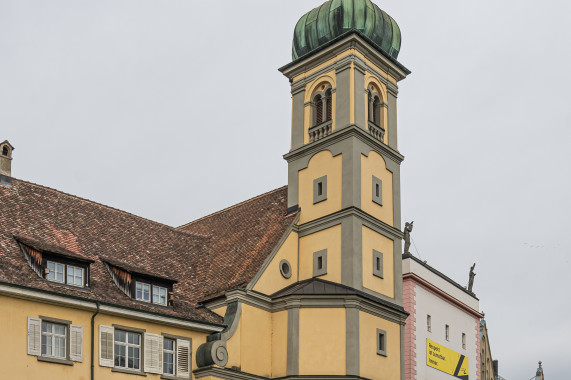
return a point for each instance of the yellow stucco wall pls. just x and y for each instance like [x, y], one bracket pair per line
[321, 164]
[321, 66]
[221, 311]
[374, 165]
[279, 343]
[375, 241]
[14, 314]
[373, 365]
[256, 332]
[272, 280]
[322, 341]
[329, 239]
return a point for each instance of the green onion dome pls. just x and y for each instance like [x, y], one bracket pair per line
[336, 18]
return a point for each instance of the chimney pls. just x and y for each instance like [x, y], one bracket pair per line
[6, 163]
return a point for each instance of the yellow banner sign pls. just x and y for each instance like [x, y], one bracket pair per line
[446, 360]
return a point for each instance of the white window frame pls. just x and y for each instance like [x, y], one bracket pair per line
[55, 272]
[127, 345]
[143, 285]
[73, 268]
[157, 289]
[51, 337]
[169, 352]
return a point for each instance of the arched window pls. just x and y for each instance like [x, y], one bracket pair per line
[5, 151]
[318, 118]
[377, 111]
[329, 105]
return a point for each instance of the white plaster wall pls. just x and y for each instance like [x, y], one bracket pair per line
[442, 313]
[411, 266]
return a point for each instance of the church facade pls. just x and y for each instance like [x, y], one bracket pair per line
[305, 281]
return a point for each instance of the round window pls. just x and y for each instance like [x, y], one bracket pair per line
[285, 268]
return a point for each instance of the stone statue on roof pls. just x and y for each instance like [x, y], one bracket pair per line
[471, 280]
[407, 231]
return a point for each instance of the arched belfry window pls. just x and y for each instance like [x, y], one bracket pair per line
[318, 102]
[328, 105]
[5, 151]
[375, 108]
[322, 105]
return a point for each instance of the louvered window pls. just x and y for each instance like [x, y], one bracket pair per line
[329, 105]
[318, 109]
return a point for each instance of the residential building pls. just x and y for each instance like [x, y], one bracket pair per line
[442, 333]
[304, 281]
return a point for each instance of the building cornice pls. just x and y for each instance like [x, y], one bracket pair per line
[29, 294]
[232, 374]
[340, 134]
[445, 296]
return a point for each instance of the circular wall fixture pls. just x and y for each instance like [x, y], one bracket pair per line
[285, 268]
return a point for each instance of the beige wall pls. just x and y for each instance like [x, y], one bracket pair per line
[373, 365]
[279, 343]
[272, 280]
[374, 165]
[321, 164]
[322, 341]
[329, 239]
[256, 339]
[375, 241]
[14, 314]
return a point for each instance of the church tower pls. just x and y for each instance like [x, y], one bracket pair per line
[344, 171]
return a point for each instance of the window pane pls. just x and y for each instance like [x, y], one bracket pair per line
[59, 329]
[168, 344]
[60, 347]
[120, 336]
[44, 344]
[51, 268]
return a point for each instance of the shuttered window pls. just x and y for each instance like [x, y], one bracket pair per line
[106, 346]
[55, 339]
[153, 353]
[183, 358]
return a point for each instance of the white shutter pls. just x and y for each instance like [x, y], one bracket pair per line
[183, 358]
[76, 343]
[106, 346]
[153, 353]
[34, 336]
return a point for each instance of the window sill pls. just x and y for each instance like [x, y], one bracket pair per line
[382, 354]
[172, 377]
[48, 359]
[128, 371]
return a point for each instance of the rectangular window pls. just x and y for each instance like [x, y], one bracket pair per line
[447, 332]
[381, 342]
[169, 349]
[319, 189]
[159, 295]
[54, 338]
[319, 263]
[127, 350]
[377, 191]
[143, 291]
[55, 272]
[377, 263]
[74, 275]
[463, 341]
[428, 323]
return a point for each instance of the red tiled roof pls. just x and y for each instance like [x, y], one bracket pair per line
[205, 257]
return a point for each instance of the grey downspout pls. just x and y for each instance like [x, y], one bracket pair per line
[93, 339]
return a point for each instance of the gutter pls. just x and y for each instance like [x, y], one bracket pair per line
[93, 340]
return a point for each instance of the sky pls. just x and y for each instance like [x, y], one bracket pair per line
[175, 109]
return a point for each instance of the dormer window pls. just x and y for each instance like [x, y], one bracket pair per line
[151, 293]
[5, 151]
[65, 273]
[140, 285]
[56, 264]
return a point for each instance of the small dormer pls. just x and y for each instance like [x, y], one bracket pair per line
[6, 158]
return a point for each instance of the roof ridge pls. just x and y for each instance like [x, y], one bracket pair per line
[233, 206]
[112, 208]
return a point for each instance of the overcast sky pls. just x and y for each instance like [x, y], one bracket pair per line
[175, 109]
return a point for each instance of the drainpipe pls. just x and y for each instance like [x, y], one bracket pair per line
[93, 338]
